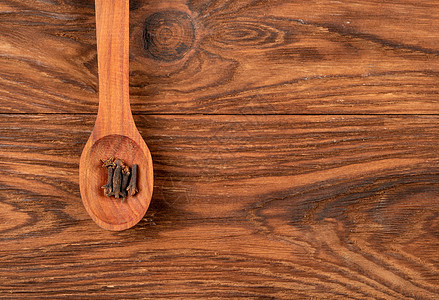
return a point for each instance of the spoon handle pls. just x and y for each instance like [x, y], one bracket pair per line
[112, 32]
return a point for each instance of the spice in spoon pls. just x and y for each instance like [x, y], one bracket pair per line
[122, 181]
[108, 187]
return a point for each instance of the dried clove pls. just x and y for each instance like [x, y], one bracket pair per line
[122, 181]
[117, 178]
[125, 178]
[108, 187]
[132, 187]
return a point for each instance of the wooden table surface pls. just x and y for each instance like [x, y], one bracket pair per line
[295, 147]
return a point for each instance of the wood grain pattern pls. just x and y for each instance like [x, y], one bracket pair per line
[228, 57]
[335, 207]
[294, 144]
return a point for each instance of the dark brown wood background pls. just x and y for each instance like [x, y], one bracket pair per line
[295, 146]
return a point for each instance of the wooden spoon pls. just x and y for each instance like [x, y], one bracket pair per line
[115, 133]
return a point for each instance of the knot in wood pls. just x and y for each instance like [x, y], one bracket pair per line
[168, 35]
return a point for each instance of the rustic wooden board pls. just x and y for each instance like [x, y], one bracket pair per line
[294, 142]
[228, 57]
[256, 207]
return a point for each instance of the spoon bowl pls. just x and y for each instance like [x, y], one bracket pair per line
[115, 134]
[108, 212]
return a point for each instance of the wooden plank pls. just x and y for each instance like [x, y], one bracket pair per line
[260, 207]
[229, 57]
